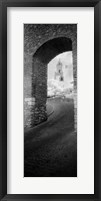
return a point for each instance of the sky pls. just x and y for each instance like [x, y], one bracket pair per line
[67, 61]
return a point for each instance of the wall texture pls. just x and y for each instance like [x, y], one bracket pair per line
[41, 44]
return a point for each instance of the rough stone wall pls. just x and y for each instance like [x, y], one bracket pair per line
[39, 91]
[34, 37]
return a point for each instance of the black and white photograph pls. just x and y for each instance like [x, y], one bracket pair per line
[50, 100]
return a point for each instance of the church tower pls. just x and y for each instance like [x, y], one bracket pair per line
[59, 71]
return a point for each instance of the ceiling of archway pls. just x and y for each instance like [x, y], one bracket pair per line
[52, 48]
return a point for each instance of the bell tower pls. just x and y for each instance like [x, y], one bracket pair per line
[59, 71]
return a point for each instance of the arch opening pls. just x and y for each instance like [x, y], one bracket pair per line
[60, 75]
[59, 82]
[41, 59]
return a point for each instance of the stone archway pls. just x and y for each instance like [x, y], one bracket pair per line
[41, 43]
[41, 58]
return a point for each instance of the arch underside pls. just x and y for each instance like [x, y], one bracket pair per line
[52, 48]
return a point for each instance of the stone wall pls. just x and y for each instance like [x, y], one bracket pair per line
[41, 44]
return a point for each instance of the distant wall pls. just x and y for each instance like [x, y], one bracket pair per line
[41, 44]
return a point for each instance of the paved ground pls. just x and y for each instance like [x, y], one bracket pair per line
[51, 147]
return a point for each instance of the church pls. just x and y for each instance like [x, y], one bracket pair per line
[59, 72]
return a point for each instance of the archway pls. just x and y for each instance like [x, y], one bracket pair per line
[41, 58]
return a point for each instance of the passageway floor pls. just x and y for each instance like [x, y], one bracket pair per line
[50, 149]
